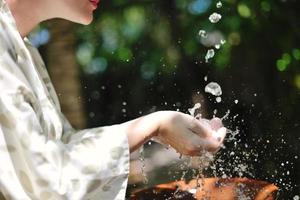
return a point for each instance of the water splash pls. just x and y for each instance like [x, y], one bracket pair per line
[213, 88]
[215, 18]
[192, 111]
[226, 115]
[143, 168]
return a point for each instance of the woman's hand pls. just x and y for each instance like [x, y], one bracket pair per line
[189, 136]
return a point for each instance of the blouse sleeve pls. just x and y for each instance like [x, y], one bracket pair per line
[82, 164]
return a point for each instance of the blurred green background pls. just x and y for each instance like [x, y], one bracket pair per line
[142, 56]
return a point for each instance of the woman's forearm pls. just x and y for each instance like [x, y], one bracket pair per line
[183, 132]
[140, 130]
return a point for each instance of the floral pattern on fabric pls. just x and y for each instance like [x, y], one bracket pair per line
[42, 156]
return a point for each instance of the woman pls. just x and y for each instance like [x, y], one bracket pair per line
[42, 156]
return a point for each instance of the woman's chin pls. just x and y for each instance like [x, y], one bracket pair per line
[86, 20]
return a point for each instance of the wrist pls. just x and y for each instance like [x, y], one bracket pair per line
[140, 130]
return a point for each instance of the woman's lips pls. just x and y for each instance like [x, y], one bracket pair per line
[94, 3]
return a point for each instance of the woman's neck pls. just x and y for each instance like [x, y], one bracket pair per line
[25, 14]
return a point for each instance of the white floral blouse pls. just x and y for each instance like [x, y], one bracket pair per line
[41, 156]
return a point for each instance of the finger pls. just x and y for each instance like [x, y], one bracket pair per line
[201, 127]
[216, 123]
[220, 134]
[214, 142]
[197, 145]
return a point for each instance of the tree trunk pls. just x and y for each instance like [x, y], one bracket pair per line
[64, 71]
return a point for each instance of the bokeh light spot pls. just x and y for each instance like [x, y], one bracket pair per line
[244, 10]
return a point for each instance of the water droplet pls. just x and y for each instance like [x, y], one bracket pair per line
[236, 101]
[218, 99]
[217, 46]
[224, 176]
[193, 190]
[215, 17]
[210, 54]
[203, 33]
[205, 78]
[215, 111]
[91, 114]
[222, 42]
[296, 197]
[213, 88]
[124, 103]
[219, 4]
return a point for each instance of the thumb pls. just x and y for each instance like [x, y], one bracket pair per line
[220, 134]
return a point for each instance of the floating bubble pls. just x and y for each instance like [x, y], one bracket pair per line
[218, 99]
[205, 78]
[219, 4]
[217, 46]
[296, 197]
[236, 101]
[215, 18]
[213, 88]
[203, 33]
[210, 54]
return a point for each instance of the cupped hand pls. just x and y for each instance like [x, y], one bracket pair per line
[188, 135]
